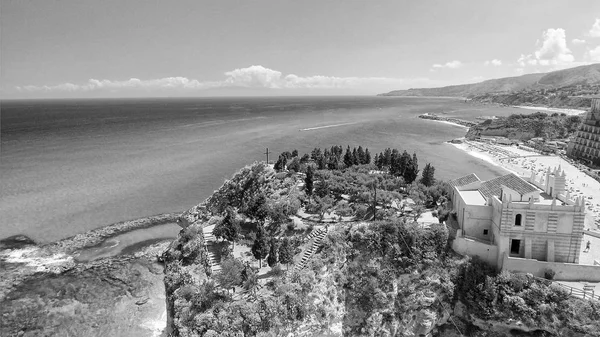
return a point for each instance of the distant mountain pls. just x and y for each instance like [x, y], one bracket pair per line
[583, 75]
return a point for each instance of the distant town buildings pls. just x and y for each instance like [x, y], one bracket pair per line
[586, 143]
[522, 224]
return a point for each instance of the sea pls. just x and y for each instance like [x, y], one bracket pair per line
[70, 166]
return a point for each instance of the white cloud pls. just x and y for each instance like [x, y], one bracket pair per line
[578, 41]
[132, 83]
[552, 50]
[594, 54]
[595, 30]
[255, 76]
[452, 65]
[494, 62]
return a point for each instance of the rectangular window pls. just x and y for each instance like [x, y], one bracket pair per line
[485, 232]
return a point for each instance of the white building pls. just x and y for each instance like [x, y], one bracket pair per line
[521, 224]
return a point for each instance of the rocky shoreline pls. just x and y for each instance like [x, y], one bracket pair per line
[45, 290]
[448, 120]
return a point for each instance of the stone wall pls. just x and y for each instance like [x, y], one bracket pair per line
[473, 247]
[563, 271]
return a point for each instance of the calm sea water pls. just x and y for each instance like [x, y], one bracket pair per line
[69, 166]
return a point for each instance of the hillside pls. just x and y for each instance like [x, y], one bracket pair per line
[390, 277]
[584, 75]
[525, 127]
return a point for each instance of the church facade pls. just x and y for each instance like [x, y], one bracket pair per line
[529, 218]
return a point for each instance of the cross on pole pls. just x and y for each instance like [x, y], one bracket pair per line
[267, 153]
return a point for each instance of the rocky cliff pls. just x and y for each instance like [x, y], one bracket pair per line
[384, 278]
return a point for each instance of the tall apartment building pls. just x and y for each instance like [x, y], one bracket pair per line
[586, 143]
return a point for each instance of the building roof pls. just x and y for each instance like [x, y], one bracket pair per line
[466, 180]
[473, 197]
[494, 186]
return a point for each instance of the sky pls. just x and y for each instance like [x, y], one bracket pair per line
[138, 48]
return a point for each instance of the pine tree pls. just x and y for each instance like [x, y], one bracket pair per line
[360, 153]
[348, 161]
[322, 162]
[316, 154]
[428, 179]
[413, 169]
[367, 157]
[294, 153]
[376, 161]
[286, 252]
[333, 163]
[260, 248]
[308, 181]
[387, 157]
[273, 257]
[354, 157]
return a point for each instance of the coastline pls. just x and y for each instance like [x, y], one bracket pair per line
[448, 120]
[108, 292]
[23, 258]
[570, 112]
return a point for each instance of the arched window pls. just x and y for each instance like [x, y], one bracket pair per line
[518, 220]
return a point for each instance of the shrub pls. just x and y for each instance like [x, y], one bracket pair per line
[277, 271]
[549, 274]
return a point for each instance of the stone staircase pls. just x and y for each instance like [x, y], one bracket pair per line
[210, 242]
[316, 236]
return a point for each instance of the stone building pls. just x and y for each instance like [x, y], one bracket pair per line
[528, 218]
[586, 143]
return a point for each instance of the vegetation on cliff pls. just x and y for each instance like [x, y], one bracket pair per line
[574, 97]
[525, 127]
[360, 260]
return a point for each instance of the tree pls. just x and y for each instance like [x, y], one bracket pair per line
[231, 273]
[260, 248]
[305, 158]
[280, 164]
[294, 165]
[427, 178]
[367, 157]
[286, 252]
[294, 153]
[273, 257]
[228, 229]
[308, 181]
[316, 154]
[257, 207]
[287, 155]
[355, 160]
[348, 159]
[360, 154]
[251, 282]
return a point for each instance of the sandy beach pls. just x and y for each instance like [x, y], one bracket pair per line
[523, 163]
[569, 112]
